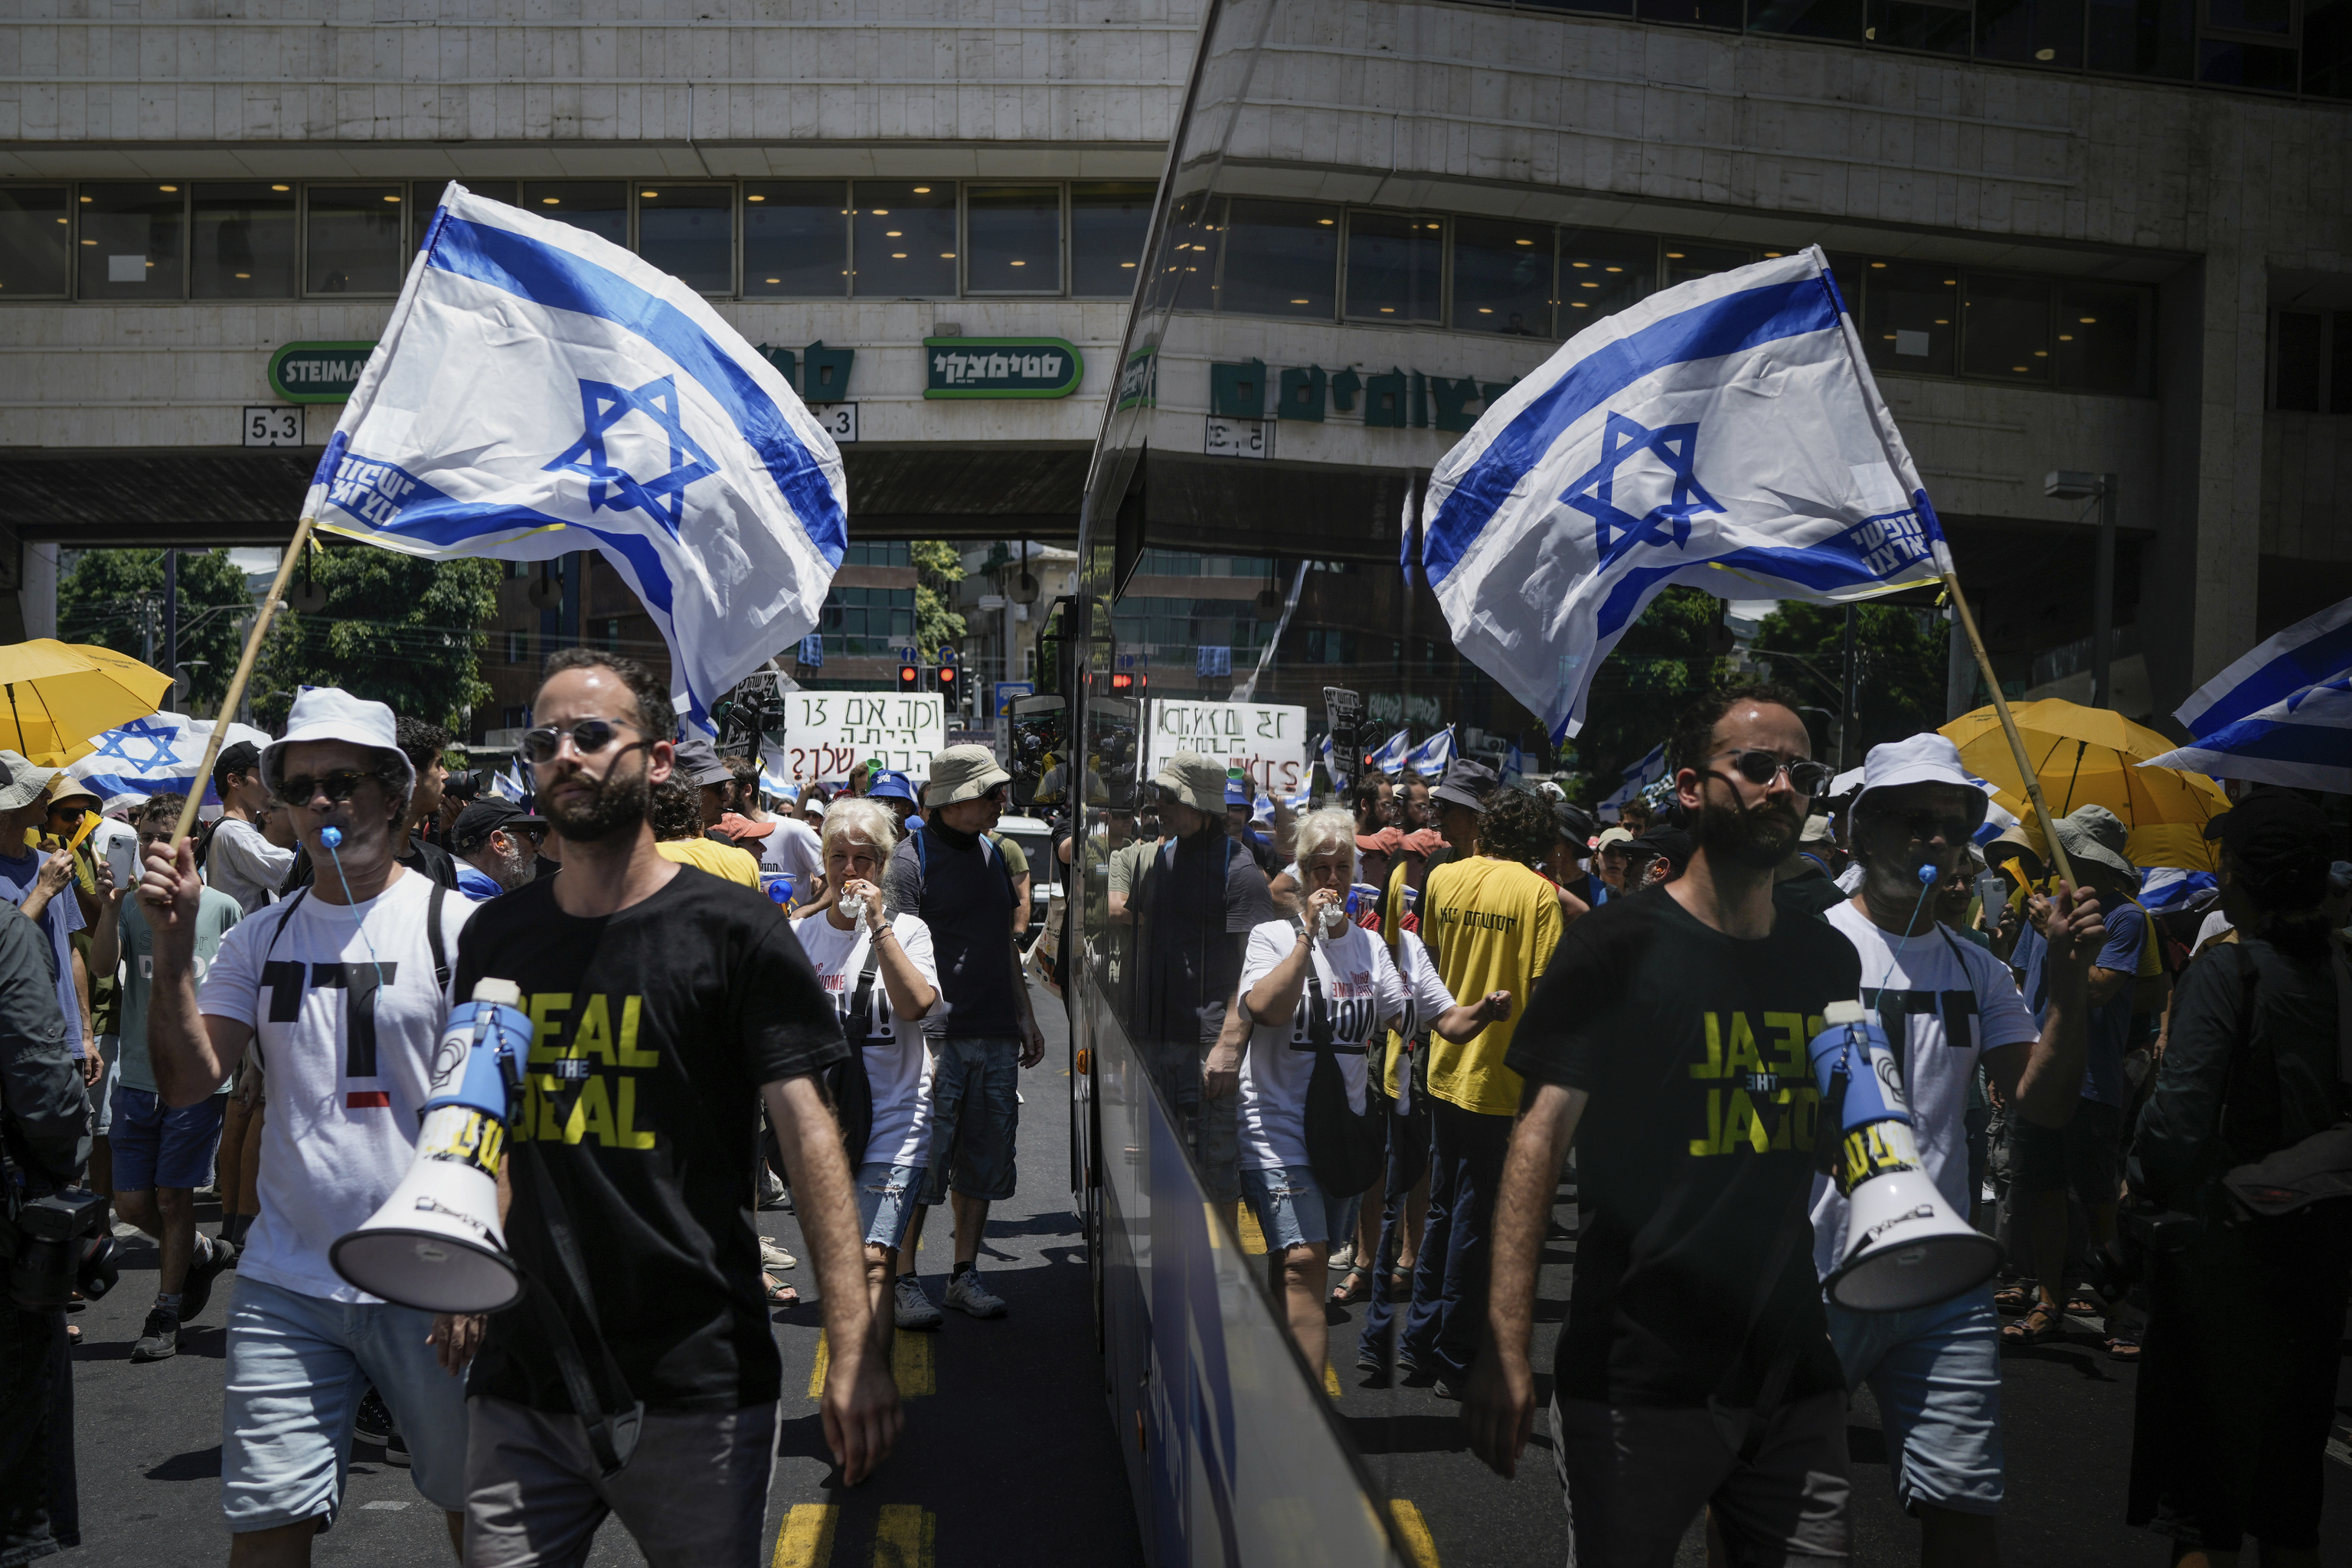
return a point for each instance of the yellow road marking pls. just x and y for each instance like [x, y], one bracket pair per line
[1330, 1380]
[817, 1373]
[911, 1367]
[806, 1539]
[1252, 1238]
[1216, 1242]
[905, 1536]
[1415, 1531]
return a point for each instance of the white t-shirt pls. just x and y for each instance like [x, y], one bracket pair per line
[341, 1128]
[1933, 979]
[791, 847]
[1849, 878]
[247, 867]
[2214, 925]
[897, 1067]
[61, 917]
[1425, 996]
[1361, 992]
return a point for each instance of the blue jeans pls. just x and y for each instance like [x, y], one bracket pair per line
[1449, 1280]
[975, 1117]
[297, 1367]
[1936, 1373]
[887, 1195]
[1293, 1211]
[157, 1146]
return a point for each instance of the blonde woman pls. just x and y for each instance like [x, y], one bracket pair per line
[841, 933]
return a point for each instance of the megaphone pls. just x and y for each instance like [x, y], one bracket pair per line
[435, 1244]
[1904, 1247]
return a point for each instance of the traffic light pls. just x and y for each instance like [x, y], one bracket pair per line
[911, 677]
[951, 679]
[1128, 683]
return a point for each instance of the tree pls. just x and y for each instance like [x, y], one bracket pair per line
[1900, 689]
[1665, 660]
[396, 629]
[115, 598]
[938, 569]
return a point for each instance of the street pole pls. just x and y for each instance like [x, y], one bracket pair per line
[1959, 669]
[2103, 597]
[172, 617]
[1845, 716]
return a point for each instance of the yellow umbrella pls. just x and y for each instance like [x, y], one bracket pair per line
[59, 695]
[2090, 756]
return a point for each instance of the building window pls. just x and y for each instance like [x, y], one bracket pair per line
[1502, 277]
[1602, 271]
[1396, 264]
[1693, 13]
[609, 634]
[1682, 262]
[688, 231]
[1280, 258]
[600, 207]
[425, 196]
[36, 236]
[1108, 222]
[517, 647]
[2007, 332]
[872, 623]
[1911, 316]
[796, 238]
[355, 234]
[2143, 38]
[904, 239]
[2107, 338]
[878, 553]
[1013, 239]
[132, 236]
[243, 242]
[2311, 362]
[1841, 20]
[514, 718]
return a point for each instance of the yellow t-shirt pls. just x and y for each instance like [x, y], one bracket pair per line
[1491, 925]
[708, 855]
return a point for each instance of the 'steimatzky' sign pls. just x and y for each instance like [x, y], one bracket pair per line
[1267, 740]
[317, 372]
[1001, 367]
[829, 733]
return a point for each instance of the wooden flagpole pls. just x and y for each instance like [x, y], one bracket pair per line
[244, 673]
[2008, 728]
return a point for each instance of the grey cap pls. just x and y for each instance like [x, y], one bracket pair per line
[26, 784]
[1465, 783]
[1195, 780]
[2093, 832]
[698, 763]
[963, 773]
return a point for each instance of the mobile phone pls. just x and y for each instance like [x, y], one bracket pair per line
[122, 859]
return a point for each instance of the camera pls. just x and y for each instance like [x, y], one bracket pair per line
[53, 1250]
[2144, 1235]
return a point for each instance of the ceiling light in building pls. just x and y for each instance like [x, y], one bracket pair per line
[2045, 56]
[1943, 320]
[898, 255]
[1486, 310]
[1578, 305]
[1385, 310]
[893, 233]
[2088, 321]
[1615, 269]
[1674, 256]
[755, 198]
[2065, 337]
[1769, 255]
[1324, 221]
[649, 193]
[244, 275]
[1527, 242]
[2041, 353]
[1589, 285]
[1020, 264]
[167, 187]
[1298, 301]
[775, 280]
[86, 199]
[281, 187]
[391, 198]
[922, 190]
[1951, 282]
[548, 201]
[881, 212]
[949, 256]
[1878, 266]
[2019, 368]
[89, 242]
[1122, 263]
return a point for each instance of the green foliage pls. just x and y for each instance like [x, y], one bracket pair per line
[1899, 690]
[114, 598]
[938, 569]
[1664, 660]
[396, 629]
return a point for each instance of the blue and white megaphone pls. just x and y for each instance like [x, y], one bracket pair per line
[1904, 1248]
[435, 1244]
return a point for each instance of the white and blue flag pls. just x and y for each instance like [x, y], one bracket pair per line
[1389, 758]
[1724, 434]
[2165, 887]
[540, 389]
[159, 754]
[1515, 766]
[1637, 778]
[2283, 714]
[1429, 759]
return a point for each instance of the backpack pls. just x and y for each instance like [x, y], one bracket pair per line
[2318, 1168]
[1345, 1149]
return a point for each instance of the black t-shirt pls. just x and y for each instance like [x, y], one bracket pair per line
[655, 1029]
[1811, 894]
[1696, 1152]
[960, 888]
[1198, 899]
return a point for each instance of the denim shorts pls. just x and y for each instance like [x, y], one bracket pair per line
[2085, 1154]
[1936, 1373]
[887, 1197]
[101, 1093]
[157, 1146]
[1292, 1211]
[975, 1117]
[297, 1367]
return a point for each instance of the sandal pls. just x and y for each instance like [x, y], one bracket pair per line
[2041, 1323]
[778, 1293]
[2013, 1299]
[2123, 1348]
[1353, 1286]
[2083, 1304]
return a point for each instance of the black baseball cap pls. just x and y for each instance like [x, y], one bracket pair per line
[1465, 783]
[241, 757]
[479, 821]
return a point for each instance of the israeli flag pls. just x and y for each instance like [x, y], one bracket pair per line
[1637, 778]
[1515, 766]
[540, 389]
[2283, 714]
[1429, 758]
[2163, 888]
[1389, 758]
[502, 784]
[1724, 434]
[159, 754]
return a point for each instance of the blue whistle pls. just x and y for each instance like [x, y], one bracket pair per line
[778, 886]
[483, 1048]
[332, 837]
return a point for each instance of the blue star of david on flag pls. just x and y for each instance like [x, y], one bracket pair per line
[662, 497]
[156, 737]
[1594, 492]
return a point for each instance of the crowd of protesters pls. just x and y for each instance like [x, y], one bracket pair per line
[1380, 1026]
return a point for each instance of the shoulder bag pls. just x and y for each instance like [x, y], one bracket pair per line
[1344, 1148]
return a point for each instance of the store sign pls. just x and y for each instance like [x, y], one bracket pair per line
[827, 734]
[317, 372]
[1001, 367]
[1267, 740]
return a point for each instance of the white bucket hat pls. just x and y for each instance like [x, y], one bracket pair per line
[1921, 759]
[330, 714]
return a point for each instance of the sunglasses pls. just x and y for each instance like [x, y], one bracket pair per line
[589, 736]
[338, 785]
[1926, 825]
[1758, 767]
[70, 812]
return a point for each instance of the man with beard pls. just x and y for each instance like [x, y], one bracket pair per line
[492, 839]
[667, 1003]
[1695, 1369]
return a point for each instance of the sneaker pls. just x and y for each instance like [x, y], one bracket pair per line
[774, 1256]
[914, 1309]
[395, 1449]
[374, 1422]
[161, 1341]
[966, 1294]
[197, 1288]
[1444, 1387]
[1344, 1258]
